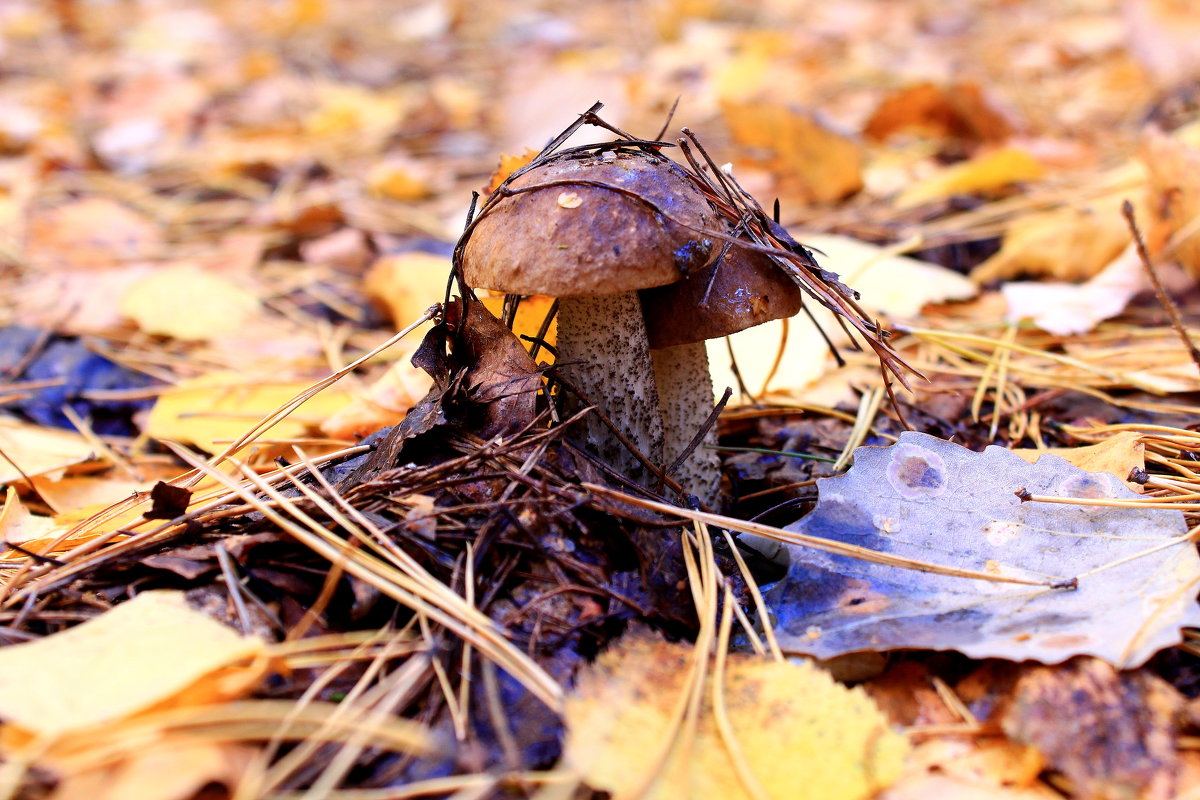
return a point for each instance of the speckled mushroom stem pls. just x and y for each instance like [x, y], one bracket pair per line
[603, 350]
[685, 397]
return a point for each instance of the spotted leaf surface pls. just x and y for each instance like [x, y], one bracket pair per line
[1116, 583]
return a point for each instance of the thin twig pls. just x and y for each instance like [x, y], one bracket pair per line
[1163, 298]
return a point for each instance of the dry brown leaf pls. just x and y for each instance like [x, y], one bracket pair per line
[1133, 718]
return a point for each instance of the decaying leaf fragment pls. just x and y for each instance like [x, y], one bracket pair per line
[803, 735]
[1132, 719]
[940, 503]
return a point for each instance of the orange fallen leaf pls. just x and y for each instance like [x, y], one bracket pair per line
[507, 166]
[406, 284]
[957, 111]
[813, 162]
[398, 179]
[90, 233]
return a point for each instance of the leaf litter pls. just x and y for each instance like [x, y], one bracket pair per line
[288, 151]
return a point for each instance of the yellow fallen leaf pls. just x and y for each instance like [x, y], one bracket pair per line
[985, 173]
[1119, 455]
[188, 303]
[17, 524]
[147, 653]
[223, 406]
[31, 450]
[395, 179]
[1071, 243]
[814, 162]
[345, 109]
[802, 734]
[385, 403]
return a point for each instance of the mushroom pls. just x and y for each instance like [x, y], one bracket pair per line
[599, 228]
[595, 229]
[742, 289]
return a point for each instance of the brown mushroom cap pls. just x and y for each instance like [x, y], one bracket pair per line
[749, 289]
[574, 239]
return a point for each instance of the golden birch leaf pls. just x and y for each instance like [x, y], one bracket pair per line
[802, 734]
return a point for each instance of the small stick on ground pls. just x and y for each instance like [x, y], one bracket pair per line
[1167, 303]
